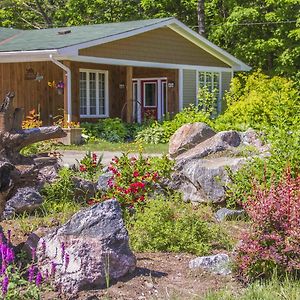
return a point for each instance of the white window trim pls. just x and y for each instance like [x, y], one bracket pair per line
[219, 101]
[106, 94]
[157, 94]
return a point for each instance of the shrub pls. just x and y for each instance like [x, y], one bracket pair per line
[90, 166]
[59, 195]
[174, 226]
[135, 178]
[274, 240]
[260, 102]
[112, 130]
[32, 120]
[161, 132]
[155, 134]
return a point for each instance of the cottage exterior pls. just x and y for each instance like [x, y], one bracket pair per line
[129, 70]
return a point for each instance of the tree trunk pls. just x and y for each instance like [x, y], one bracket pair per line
[201, 17]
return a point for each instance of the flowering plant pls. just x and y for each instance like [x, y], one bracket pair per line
[32, 120]
[90, 165]
[58, 85]
[133, 179]
[274, 240]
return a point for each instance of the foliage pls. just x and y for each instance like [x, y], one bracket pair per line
[135, 178]
[59, 195]
[32, 120]
[154, 134]
[262, 103]
[274, 289]
[207, 101]
[264, 33]
[110, 129]
[40, 147]
[17, 282]
[174, 226]
[161, 132]
[90, 165]
[273, 243]
[271, 106]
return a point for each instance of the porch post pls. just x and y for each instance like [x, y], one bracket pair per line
[129, 94]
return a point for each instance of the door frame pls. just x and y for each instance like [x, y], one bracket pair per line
[140, 89]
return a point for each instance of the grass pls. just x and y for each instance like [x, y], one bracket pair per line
[272, 290]
[118, 147]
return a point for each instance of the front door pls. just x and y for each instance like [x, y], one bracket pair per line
[150, 99]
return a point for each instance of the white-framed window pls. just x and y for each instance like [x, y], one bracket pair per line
[209, 79]
[93, 93]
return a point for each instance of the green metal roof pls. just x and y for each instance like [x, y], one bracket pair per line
[48, 39]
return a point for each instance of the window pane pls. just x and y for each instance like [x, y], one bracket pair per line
[209, 81]
[93, 101]
[216, 82]
[101, 94]
[201, 79]
[83, 93]
[150, 94]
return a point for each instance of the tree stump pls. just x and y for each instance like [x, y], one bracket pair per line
[12, 140]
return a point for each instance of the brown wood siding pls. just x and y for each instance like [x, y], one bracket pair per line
[30, 93]
[161, 45]
[117, 96]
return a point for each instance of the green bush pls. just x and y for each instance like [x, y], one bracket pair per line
[59, 195]
[159, 133]
[260, 102]
[174, 226]
[112, 130]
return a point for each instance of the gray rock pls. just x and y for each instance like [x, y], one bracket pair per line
[84, 189]
[25, 200]
[103, 181]
[188, 136]
[222, 141]
[30, 243]
[96, 243]
[205, 180]
[224, 214]
[217, 264]
[253, 138]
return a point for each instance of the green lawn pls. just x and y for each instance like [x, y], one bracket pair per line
[123, 147]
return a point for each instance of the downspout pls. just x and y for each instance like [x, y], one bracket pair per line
[69, 82]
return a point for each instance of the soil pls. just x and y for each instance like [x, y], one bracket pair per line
[157, 276]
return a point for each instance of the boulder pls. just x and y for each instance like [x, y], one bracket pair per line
[84, 189]
[222, 141]
[25, 200]
[253, 138]
[89, 250]
[225, 214]
[188, 136]
[205, 180]
[217, 264]
[103, 179]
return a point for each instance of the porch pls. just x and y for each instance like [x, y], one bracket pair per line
[93, 90]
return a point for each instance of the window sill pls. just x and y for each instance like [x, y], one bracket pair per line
[93, 116]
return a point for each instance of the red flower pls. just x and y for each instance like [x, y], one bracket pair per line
[82, 168]
[94, 157]
[91, 202]
[136, 174]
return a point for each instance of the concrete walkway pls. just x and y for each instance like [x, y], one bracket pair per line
[70, 157]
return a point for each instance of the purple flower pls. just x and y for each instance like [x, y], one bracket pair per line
[53, 268]
[63, 251]
[38, 279]
[31, 273]
[5, 283]
[9, 235]
[44, 247]
[3, 267]
[46, 274]
[10, 256]
[33, 253]
[67, 261]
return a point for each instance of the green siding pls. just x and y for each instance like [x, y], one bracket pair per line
[189, 87]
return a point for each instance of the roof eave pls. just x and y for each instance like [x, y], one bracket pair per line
[27, 56]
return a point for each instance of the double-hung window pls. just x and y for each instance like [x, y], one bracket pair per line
[93, 93]
[211, 80]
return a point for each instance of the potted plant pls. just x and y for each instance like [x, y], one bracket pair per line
[72, 129]
[58, 85]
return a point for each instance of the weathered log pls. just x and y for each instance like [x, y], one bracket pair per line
[17, 171]
[6, 183]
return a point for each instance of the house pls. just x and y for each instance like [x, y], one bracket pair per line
[130, 70]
